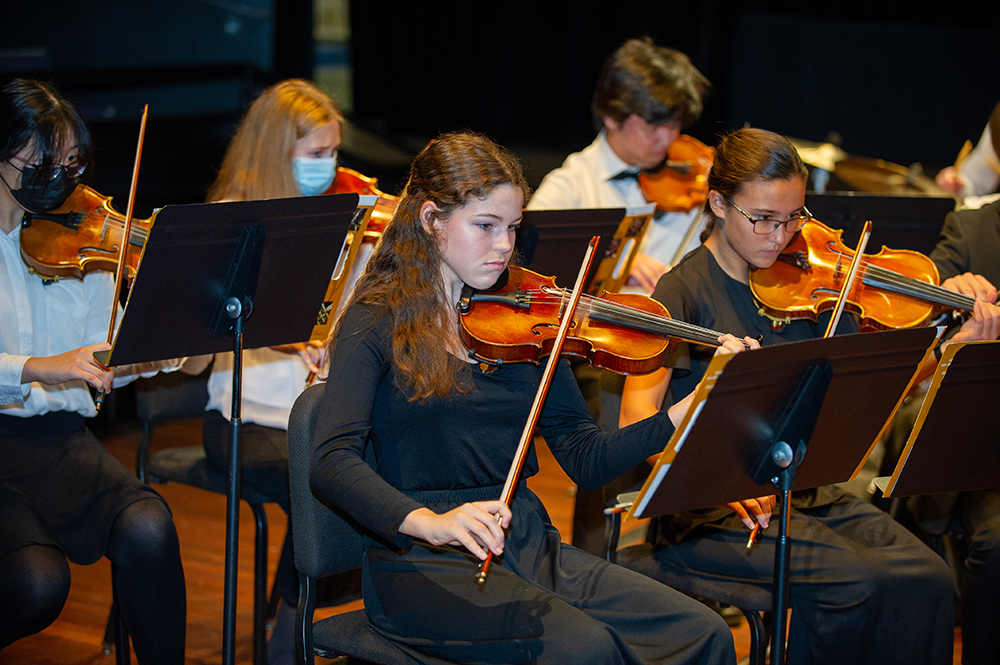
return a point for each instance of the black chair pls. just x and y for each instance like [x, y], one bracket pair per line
[752, 601]
[177, 396]
[326, 542]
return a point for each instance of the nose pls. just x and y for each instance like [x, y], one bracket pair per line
[781, 235]
[504, 242]
[668, 133]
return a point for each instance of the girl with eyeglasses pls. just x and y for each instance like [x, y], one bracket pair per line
[63, 497]
[863, 588]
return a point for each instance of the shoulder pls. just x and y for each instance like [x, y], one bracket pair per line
[677, 283]
[563, 186]
[365, 320]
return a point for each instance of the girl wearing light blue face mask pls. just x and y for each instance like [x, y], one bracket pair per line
[314, 174]
[285, 146]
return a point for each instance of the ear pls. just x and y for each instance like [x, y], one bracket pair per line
[610, 123]
[428, 215]
[717, 203]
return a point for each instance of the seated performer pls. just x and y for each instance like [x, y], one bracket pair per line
[285, 146]
[863, 588]
[966, 257]
[63, 496]
[444, 432]
[645, 95]
[979, 173]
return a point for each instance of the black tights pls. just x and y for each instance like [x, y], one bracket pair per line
[34, 583]
[149, 581]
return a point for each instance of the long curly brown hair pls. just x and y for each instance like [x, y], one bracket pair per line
[404, 275]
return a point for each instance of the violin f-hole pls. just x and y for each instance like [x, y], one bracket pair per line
[552, 326]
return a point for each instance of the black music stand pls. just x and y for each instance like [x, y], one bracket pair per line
[204, 270]
[757, 413]
[552, 242]
[955, 443]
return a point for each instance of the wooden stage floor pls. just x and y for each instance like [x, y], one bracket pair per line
[75, 638]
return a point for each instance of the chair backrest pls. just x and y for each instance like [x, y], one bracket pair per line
[325, 540]
[171, 396]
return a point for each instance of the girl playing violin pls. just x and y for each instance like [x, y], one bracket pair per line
[443, 433]
[62, 495]
[285, 146]
[864, 589]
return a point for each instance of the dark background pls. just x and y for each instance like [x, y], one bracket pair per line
[894, 82]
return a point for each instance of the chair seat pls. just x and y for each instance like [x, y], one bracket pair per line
[731, 592]
[350, 634]
[189, 465]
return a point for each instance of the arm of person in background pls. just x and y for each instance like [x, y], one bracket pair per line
[643, 397]
[645, 272]
[977, 175]
[313, 353]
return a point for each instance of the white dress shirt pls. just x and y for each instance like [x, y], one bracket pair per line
[587, 180]
[981, 169]
[38, 319]
[271, 382]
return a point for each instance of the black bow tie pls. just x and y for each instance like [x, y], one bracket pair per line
[625, 175]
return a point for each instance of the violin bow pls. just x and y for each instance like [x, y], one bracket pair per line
[543, 389]
[849, 281]
[103, 356]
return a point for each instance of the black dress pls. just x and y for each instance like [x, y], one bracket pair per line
[544, 601]
[864, 589]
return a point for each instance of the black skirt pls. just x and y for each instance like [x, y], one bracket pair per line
[60, 486]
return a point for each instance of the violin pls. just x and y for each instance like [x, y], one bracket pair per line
[83, 234]
[894, 289]
[517, 322]
[350, 181]
[682, 182]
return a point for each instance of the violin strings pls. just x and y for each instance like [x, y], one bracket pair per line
[137, 231]
[890, 280]
[914, 287]
[628, 315]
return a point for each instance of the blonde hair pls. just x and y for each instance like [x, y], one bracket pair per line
[258, 161]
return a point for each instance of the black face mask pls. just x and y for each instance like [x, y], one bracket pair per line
[40, 192]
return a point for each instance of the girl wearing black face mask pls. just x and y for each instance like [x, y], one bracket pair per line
[62, 495]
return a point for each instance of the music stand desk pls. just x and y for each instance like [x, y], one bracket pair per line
[955, 443]
[255, 271]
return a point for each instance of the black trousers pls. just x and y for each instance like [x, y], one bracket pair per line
[864, 589]
[543, 602]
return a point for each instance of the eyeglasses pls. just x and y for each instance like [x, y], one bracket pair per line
[764, 226]
[72, 170]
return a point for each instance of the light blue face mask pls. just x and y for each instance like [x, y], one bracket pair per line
[314, 174]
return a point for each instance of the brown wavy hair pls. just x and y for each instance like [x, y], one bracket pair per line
[258, 161]
[657, 84]
[749, 155]
[403, 275]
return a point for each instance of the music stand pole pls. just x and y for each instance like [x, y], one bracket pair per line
[777, 465]
[203, 270]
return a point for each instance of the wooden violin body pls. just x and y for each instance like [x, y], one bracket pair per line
[81, 235]
[623, 333]
[682, 183]
[894, 288]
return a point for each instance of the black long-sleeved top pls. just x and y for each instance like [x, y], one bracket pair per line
[465, 440]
